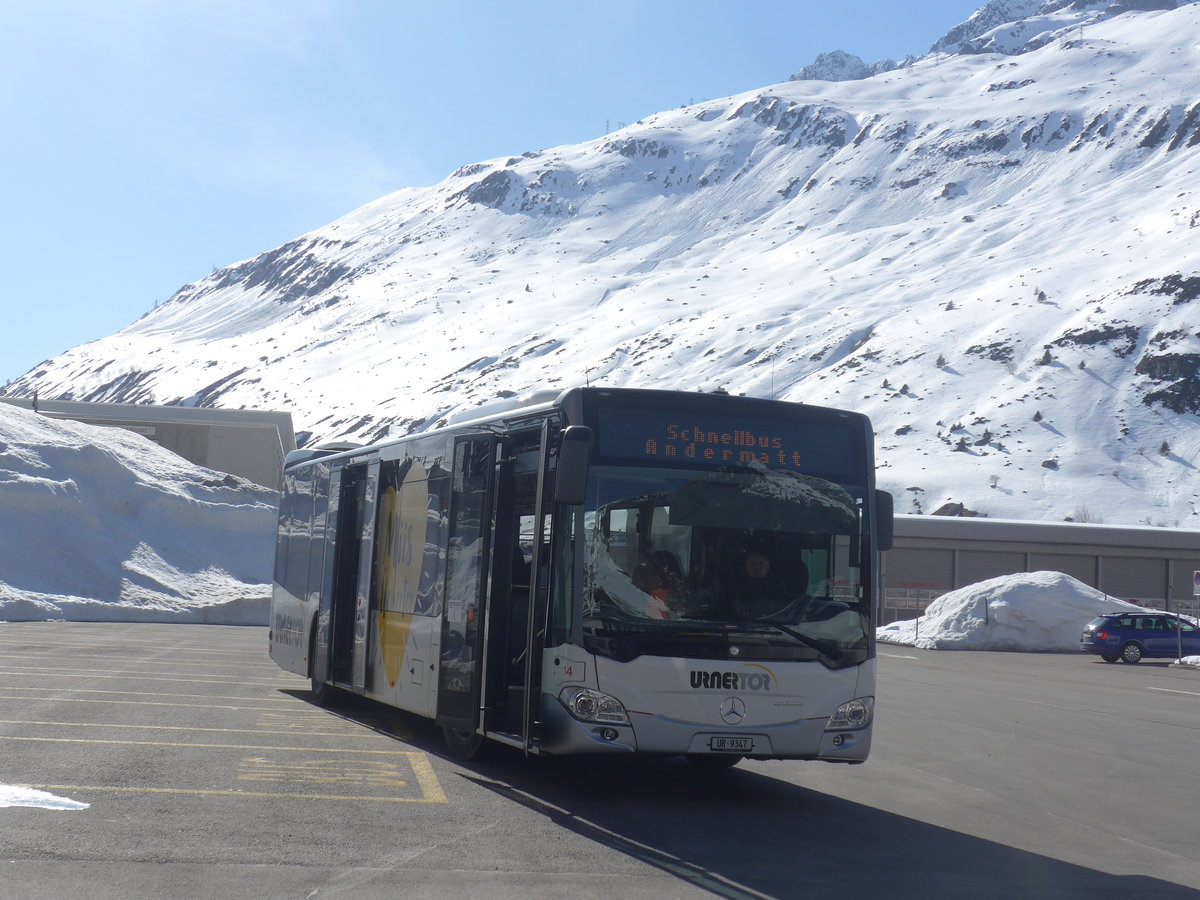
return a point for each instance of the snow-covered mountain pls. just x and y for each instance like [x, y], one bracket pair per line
[991, 250]
[1008, 27]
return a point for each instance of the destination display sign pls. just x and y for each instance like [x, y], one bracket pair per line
[830, 450]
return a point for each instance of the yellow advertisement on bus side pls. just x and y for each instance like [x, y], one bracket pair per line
[403, 520]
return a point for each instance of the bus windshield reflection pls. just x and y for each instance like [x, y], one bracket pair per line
[681, 563]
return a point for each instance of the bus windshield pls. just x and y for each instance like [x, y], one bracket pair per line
[743, 562]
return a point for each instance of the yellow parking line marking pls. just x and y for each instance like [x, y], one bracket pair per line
[380, 773]
[228, 706]
[74, 788]
[177, 651]
[55, 740]
[55, 658]
[270, 728]
[150, 670]
[367, 772]
[111, 675]
[291, 723]
[271, 721]
[430, 786]
[271, 696]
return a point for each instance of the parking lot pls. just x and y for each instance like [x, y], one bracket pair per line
[209, 774]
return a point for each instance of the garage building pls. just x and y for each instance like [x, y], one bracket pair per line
[931, 555]
[247, 442]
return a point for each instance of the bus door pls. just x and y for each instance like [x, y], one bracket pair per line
[517, 575]
[539, 595]
[362, 592]
[468, 565]
[344, 606]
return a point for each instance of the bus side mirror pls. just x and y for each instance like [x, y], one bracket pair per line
[885, 520]
[570, 480]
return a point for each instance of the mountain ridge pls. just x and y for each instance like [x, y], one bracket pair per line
[1008, 27]
[989, 254]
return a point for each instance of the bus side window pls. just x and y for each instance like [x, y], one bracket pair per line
[300, 512]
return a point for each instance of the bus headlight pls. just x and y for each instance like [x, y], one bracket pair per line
[851, 715]
[587, 705]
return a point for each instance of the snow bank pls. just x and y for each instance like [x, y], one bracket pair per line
[100, 524]
[1032, 611]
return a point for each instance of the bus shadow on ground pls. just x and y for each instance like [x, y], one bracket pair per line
[739, 834]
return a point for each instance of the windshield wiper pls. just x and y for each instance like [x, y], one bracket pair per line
[627, 646]
[658, 633]
[828, 649]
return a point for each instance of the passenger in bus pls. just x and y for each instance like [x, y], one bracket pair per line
[646, 579]
[659, 577]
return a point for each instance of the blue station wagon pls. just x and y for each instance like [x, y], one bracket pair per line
[1131, 636]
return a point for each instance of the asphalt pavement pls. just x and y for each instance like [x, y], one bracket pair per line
[208, 773]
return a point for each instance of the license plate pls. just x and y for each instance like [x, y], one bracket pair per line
[731, 744]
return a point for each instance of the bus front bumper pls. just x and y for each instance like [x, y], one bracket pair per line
[562, 734]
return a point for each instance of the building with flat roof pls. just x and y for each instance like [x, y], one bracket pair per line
[250, 443]
[931, 555]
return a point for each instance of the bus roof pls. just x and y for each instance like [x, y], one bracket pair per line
[537, 403]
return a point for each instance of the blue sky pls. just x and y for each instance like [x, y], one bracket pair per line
[150, 141]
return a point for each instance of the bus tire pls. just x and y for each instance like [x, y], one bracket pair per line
[464, 745]
[713, 760]
[323, 693]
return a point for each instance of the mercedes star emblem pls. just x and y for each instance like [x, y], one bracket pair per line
[733, 711]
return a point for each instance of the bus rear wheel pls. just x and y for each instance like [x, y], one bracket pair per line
[464, 745]
[323, 693]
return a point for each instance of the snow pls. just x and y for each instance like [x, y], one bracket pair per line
[1029, 612]
[804, 298]
[1034, 611]
[1029, 220]
[103, 525]
[14, 795]
[100, 524]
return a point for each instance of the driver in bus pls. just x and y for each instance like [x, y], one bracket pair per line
[762, 594]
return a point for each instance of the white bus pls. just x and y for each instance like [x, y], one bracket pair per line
[601, 571]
